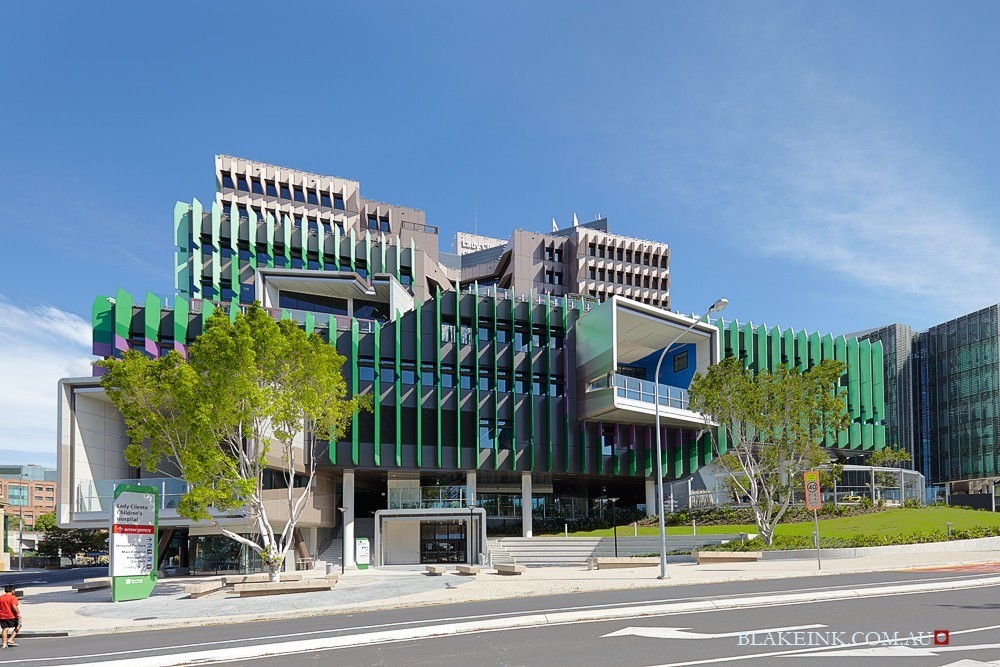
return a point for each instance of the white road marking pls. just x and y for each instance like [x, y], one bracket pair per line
[897, 651]
[803, 652]
[498, 622]
[682, 633]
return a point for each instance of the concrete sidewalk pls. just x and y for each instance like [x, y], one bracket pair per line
[60, 609]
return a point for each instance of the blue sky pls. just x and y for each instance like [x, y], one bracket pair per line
[828, 166]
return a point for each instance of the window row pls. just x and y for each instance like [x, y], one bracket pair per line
[298, 222]
[505, 382]
[552, 253]
[627, 278]
[519, 335]
[600, 251]
[602, 295]
[270, 188]
[378, 223]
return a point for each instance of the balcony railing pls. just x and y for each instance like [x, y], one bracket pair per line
[429, 497]
[643, 391]
[578, 301]
[97, 495]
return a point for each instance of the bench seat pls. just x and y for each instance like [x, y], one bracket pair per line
[280, 587]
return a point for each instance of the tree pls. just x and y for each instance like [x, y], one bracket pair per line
[45, 522]
[774, 422]
[13, 522]
[253, 394]
[71, 542]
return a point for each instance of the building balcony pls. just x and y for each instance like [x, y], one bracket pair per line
[628, 400]
[428, 497]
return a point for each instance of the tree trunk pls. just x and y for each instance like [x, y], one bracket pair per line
[274, 572]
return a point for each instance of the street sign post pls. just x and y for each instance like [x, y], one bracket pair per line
[362, 553]
[814, 501]
[132, 542]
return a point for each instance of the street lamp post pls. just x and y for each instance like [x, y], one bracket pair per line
[716, 307]
[473, 543]
[20, 524]
[614, 524]
[343, 550]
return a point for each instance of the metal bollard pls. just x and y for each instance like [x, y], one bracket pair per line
[694, 527]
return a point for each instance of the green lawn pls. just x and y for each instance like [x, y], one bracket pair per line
[887, 522]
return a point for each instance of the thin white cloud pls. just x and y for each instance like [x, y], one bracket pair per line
[851, 193]
[38, 346]
[800, 165]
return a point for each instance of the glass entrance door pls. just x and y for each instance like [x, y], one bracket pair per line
[442, 542]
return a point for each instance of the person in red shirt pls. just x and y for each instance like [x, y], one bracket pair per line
[8, 616]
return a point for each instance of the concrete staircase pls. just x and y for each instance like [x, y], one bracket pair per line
[498, 553]
[333, 554]
[576, 550]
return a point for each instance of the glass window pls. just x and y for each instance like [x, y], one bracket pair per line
[366, 372]
[256, 186]
[427, 377]
[484, 334]
[312, 197]
[485, 379]
[17, 495]
[600, 251]
[227, 180]
[372, 222]
[324, 199]
[505, 433]
[272, 191]
[466, 379]
[387, 374]
[592, 273]
[447, 376]
[384, 224]
[592, 250]
[241, 184]
[298, 194]
[503, 384]
[521, 339]
[338, 202]
[486, 434]
[408, 375]
[286, 192]
[503, 335]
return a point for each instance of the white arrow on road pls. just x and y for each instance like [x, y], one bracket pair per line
[682, 633]
[900, 651]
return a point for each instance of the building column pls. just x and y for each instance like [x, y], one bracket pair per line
[347, 501]
[651, 496]
[525, 504]
[470, 483]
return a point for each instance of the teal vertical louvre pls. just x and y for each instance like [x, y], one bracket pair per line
[420, 388]
[398, 389]
[377, 395]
